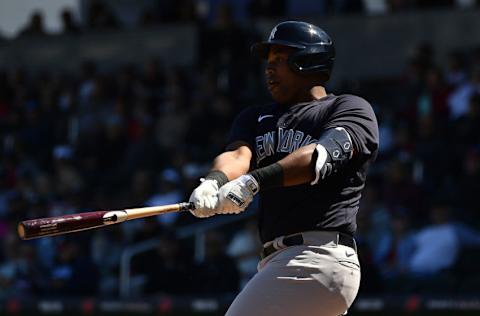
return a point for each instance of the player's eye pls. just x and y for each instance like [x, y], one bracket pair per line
[277, 60]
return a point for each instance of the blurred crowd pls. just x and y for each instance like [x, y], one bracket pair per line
[418, 222]
[143, 135]
[95, 15]
[132, 137]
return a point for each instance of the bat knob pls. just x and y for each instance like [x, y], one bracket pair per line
[21, 231]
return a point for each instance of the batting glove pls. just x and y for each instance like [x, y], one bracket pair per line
[236, 195]
[205, 198]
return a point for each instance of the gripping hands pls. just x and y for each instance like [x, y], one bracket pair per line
[232, 198]
[205, 198]
[236, 195]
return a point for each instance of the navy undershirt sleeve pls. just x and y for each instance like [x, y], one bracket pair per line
[243, 128]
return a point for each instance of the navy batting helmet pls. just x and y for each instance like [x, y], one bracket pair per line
[314, 53]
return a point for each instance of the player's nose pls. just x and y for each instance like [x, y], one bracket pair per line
[269, 69]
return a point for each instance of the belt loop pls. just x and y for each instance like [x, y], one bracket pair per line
[278, 243]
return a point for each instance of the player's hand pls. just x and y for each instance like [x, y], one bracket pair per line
[236, 195]
[205, 198]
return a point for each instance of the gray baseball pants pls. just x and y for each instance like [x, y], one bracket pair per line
[318, 278]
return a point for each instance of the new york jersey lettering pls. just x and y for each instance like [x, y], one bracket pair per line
[281, 141]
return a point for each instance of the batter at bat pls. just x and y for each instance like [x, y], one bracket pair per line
[306, 155]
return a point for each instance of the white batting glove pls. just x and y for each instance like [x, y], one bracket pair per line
[236, 195]
[205, 198]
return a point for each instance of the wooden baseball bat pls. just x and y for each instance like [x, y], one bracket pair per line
[59, 225]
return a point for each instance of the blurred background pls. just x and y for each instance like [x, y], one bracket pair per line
[114, 104]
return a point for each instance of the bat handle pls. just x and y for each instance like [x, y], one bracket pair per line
[186, 206]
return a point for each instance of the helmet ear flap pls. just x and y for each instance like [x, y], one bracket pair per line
[304, 62]
[292, 62]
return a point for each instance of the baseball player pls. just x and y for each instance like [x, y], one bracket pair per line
[306, 155]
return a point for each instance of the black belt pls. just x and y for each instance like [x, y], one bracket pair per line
[297, 239]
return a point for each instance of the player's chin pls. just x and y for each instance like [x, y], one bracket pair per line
[278, 96]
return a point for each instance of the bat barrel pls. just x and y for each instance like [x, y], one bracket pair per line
[63, 224]
[52, 226]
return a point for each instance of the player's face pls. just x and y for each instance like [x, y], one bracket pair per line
[282, 82]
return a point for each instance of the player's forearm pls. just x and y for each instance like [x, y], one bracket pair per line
[298, 167]
[233, 163]
[311, 163]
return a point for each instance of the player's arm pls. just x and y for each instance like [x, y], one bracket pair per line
[227, 166]
[352, 130]
[315, 162]
[234, 162]
[308, 164]
[298, 167]
[231, 164]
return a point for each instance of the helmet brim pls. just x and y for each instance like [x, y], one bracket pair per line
[261, 49]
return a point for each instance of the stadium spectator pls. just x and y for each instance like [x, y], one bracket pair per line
[244, 248]
[106, 250]
[170, 11]
[400, 189]
[69, 25]
[467, 188]
[169, 191]
[465, 125]
[428, 156]
[223, 48]
[436, 246]
[455, 71]
[99, 16]
[460, 97]
[395, 247]
[433, 100]
[73, 272]
[167, 269]
[35, 26]
[211, 279]
[20, 275]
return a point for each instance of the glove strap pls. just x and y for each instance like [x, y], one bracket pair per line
[252, 184]
[217, 175]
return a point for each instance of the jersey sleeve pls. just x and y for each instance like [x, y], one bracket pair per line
[243, 128]
[357, 117]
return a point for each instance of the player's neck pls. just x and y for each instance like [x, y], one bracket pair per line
[318, 92]
[307, 95]
[312, 94]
